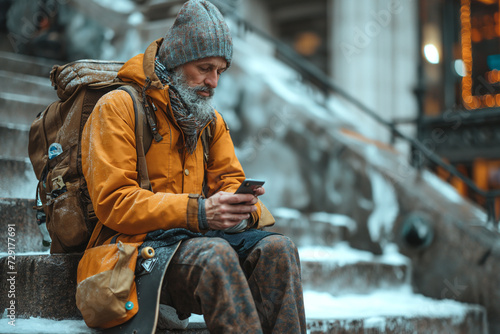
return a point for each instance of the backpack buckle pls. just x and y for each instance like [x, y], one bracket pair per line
[57, 183]
[58, 186]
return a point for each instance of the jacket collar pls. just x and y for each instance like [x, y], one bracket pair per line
[149, 63]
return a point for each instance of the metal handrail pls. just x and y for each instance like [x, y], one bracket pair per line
[312, 73]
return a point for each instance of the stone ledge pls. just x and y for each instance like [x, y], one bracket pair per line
[19, 213]
[45, 285]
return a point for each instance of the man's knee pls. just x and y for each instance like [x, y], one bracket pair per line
[278, 244]
[218, 253]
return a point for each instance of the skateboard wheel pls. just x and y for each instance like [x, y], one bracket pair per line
[147, 252]
[129, 305]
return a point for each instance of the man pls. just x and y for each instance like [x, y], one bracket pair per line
[243, 282]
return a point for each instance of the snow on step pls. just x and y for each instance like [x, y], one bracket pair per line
[50, 326]
[43, 326]
[342, 254]
[395, 309]
[382, 303]
[342, 269]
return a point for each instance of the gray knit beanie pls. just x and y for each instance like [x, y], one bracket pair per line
[199, 31]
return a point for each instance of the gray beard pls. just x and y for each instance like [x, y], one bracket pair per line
[199, 106]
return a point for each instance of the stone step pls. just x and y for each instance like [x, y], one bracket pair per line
[21, 109]
[473, 322]
[23, 64]
[342, 270]
[44, 286]
[315, 229]
[14, 140]
[25, 84]
[395, 313]
[19, 214]
[17, 179]
[38, 271]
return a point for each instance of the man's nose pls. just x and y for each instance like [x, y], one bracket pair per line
[212, 79]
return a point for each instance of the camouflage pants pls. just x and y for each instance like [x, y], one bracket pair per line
[259, 294]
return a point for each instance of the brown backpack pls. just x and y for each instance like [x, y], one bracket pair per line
[55, 149]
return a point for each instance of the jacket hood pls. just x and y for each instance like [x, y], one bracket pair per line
[142, 66]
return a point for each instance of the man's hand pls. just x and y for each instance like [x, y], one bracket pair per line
[225, 210]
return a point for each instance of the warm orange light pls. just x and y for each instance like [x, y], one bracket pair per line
[476, 35]
[493, 76]
[489, 100]
[476, 102]
[466, 53]
[488, 2]
[497, 99]
[474, 30]
[307, 43]
[490, 77]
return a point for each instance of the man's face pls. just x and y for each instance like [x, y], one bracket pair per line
[204, 74]
[195, 82]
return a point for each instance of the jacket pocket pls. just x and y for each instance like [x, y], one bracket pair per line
[106, 293]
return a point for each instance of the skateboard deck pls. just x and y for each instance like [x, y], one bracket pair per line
[148, 294]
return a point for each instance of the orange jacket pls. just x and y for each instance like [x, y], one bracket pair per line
[109, 161]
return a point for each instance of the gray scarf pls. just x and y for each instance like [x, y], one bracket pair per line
[190, 125]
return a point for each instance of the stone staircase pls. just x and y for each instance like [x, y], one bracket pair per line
[25, 91]
[346, 290]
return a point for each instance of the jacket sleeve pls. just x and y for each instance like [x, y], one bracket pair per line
[109, 160]
[224, 171]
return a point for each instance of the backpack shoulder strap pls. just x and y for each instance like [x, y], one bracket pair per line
[143, 136]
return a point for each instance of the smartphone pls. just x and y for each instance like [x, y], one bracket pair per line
[249, 185]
